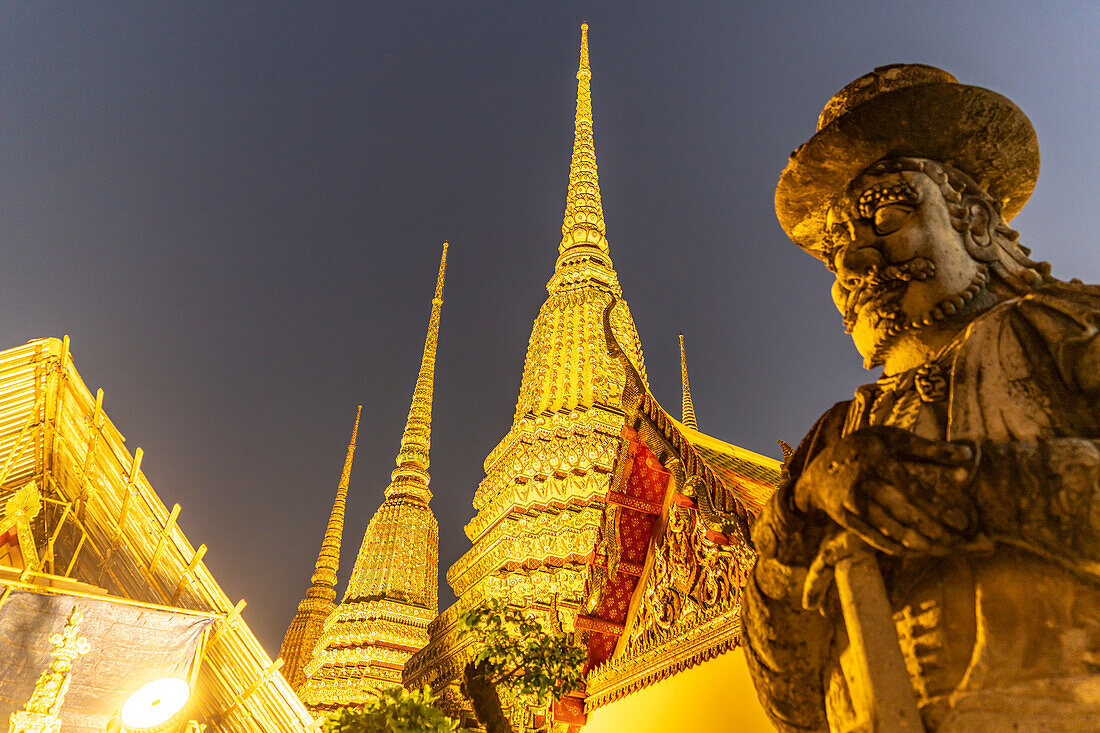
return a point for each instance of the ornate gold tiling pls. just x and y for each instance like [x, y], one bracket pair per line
[393, 592]
[305, 629]
[365, 646]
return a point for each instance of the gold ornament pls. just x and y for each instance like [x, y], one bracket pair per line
[40, 714]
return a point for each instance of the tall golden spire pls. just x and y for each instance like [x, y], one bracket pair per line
[583, 234]
[305, 628]
[687, 410]
[566, 429]
[328, 560]
[411, 475]
[393, 592]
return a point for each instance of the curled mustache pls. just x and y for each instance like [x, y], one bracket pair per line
[880, 279]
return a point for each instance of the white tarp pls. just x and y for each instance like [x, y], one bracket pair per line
[130, 645]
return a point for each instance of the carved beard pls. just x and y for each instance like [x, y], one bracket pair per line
[950, 308]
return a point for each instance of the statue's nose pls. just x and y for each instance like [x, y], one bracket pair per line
[857, 263]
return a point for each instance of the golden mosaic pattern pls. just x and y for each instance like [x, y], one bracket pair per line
[399, 556]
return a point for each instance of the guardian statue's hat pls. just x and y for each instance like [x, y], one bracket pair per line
[910, 110]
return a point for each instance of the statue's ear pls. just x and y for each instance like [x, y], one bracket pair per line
[979, 232]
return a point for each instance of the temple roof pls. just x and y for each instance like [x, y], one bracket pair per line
[751, 476]
[678, 495]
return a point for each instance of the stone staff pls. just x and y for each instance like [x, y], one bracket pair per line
[889, 703]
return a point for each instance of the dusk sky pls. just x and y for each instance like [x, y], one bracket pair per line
[236, 213]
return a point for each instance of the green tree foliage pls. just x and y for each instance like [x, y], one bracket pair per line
[393, 710]
[516, 653]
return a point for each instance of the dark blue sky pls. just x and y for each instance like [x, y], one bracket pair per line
[236, 213]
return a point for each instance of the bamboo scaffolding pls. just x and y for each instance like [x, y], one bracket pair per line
[112, 528]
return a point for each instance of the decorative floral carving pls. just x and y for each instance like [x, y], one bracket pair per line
[691, 577]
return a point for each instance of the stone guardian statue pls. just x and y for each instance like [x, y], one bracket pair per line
[967, 477]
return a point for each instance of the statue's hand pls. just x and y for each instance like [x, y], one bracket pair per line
[900, 493]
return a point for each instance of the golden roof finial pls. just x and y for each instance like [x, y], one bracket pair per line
[21, 509]
[328, 560]
[584, 53]
[411, 475]
[41, 711]
[583, 225]
[687, 410]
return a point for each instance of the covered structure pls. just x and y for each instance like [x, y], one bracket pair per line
[82, 527]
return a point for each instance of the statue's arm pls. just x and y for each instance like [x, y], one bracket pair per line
[786, 646]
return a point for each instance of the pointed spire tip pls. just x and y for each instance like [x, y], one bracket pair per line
[328, 559]
[439, 278]
[583, 224]
[411, 475]
[583, 69]
[687, 409]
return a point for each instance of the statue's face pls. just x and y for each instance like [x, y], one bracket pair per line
[901, 267]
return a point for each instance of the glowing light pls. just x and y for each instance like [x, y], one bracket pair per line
[155, 703]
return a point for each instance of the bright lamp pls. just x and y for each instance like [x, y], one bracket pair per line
[154, 705]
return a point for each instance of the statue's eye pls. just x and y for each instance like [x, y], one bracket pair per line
[890, 217]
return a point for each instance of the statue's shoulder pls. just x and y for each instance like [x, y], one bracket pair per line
[1057, 325]
[1060, 294]
[1061, 310]
[828, 428]
[1057, 311]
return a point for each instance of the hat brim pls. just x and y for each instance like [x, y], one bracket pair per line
[970, 128]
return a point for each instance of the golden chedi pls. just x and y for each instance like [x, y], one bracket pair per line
[393, 592]
[539, 507]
